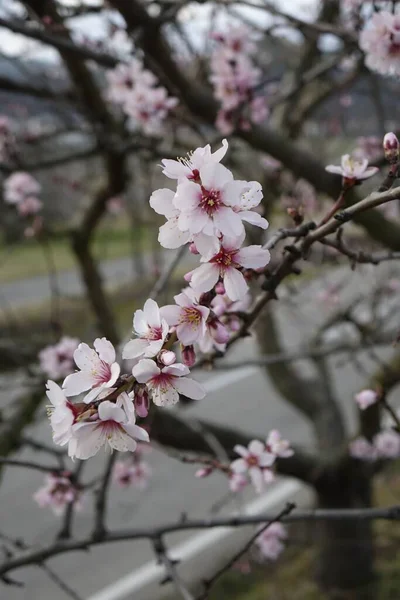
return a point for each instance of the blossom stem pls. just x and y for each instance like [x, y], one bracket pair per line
[338, 205]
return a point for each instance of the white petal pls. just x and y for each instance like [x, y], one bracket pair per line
[120, 440]
[218, 155]
[206, 244]
[115, 371]
[334, 169]
[86, 358]
[161, 202]
[266, 459]
[257, 479]
[190, 388]
[171, 237]
[228, 222]
[165, 395]
[137, 432]
[188, 195]
[235, 284]
[177, 369]
[76, 383]
[152, 313]
[55, 393]
[134, 349]
[239, 466]
[174, 169]
[256, 447]
[204, 277]
[108, 411]
[140, 323]
[253, 257]
[215, 176]
[105, 350]
[242, 450]
[95, 393]
[171, 313]
[145, 370]
[252, 217]
[87, 440]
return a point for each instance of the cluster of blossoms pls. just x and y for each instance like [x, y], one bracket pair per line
[256, 462]
[57, 361]
[135, 89]
[22, 190]
[58, 491]
[134, 472]
[235, 80]
[380, 40]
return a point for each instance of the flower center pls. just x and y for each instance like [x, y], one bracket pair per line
[154, 333]
[224, 259]
[102, 374]
[210, 201]
[252, 461]
[192, 316]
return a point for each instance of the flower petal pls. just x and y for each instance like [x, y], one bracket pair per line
[134, 349]
[76, 383]
[105, 350]
[190, 388]
[204, 277]
[235, 284]
[145, 370]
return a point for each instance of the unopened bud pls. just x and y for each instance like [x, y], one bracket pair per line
[391, 147]
[220, 288]
[219, 332]
[167, 357]
[188, 356]
[141, 401]
[193, 249]
[204, 472]
[296, 214]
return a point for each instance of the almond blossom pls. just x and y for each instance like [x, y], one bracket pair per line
[189, 167]
[111, 425]
[20, 185]
[253, 461]
[62, 413]
[188, 316]
[387, 444]
[278, 446]
[57, 492]
[167, 383]
[380, 40]
[57, 361]
[226, 264]
[98, 370]
[352, 170]
[135, 474]
[362, 449]
[151, 330]
[269, 542]
[366, 398]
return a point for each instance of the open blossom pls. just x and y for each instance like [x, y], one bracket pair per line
[135, 474]
[226, 264]
[362, 449]
[57, 492]
[278, 446]
[380, 40]
[189, 167]
[167, 383]
[269, 541]
[387, 444]
[352, 170]
[19, 186]
[57, 361]
[112, 425]
[151, 330]
[170, 236]
[98, 370]
[188, 316]
[366, 398]
[253, 461]
[62, 413]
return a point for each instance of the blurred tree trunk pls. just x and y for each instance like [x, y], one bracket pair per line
[345, 549]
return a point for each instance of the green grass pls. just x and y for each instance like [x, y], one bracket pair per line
[27, 259]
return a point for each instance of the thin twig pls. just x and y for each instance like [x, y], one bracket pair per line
[101, 499]
[161, 551]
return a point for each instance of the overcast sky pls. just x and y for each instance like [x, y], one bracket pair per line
[196, 15]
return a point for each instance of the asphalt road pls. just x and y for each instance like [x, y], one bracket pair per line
[243, 398]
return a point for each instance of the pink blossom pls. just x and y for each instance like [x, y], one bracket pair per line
[29, 206]
[391, 147]
[387, 444]
[190, 166]
[362, 449]
[57, 492]
[151, 330]
[278, 446]
[167, 357]
[269, 541]
[167, 383]
[366, 398]
[352, 170]
[57, 361]
[98, 370]
[380, 40]
[19, 186]
[135, 474]
[237, 482]
[226, 264]
[188, 316]
[112, 425]
[254, 460]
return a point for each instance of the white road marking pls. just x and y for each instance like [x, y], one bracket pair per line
[151, 573]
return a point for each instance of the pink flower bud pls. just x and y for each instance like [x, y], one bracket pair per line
[391, 147]
[167, 357]
[141, 401]
[193, 249]
[220, 288]
[366, 398]
[188, 356]
[219, 332]
[203, 472]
